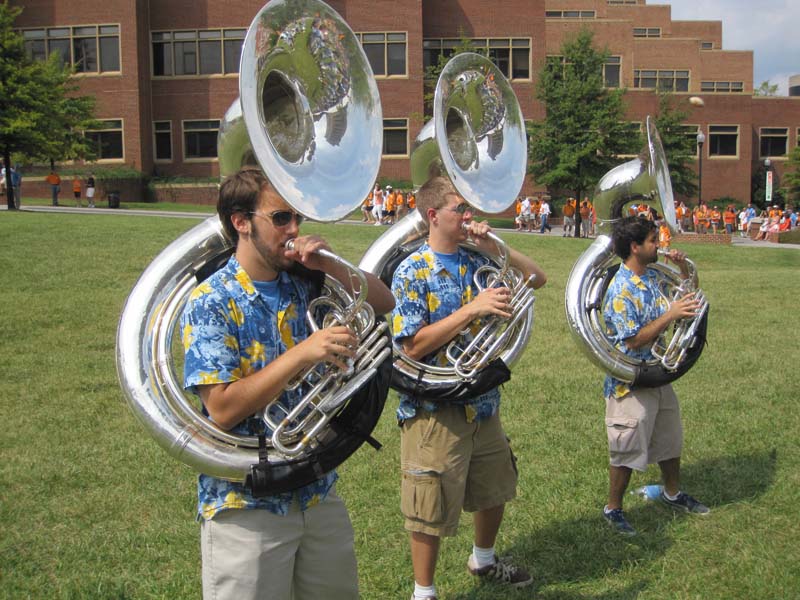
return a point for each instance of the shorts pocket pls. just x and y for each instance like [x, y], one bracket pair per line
[623, 435]
[421, 496]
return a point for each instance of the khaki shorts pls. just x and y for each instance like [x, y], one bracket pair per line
[644, 427]
[448, 464]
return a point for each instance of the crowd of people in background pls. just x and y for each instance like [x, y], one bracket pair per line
[387, 206]
[53, 180]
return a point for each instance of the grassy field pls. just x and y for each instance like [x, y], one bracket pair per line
[90, 507]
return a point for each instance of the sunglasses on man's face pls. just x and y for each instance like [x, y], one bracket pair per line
[281, 218]
[460, 209]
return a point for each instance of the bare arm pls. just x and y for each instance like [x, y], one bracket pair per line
[684, 307]
[230, 403]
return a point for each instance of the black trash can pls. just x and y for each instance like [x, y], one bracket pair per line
[113, 199]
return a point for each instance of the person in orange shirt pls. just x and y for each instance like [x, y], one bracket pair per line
[680, 214]
[775, 211]
[400, 204]
[55, 185]
[536, 206]
[701, 214]
[585, 212]
[664, 236]
[729, 218]
[716, 219]
[517, 217]
[389, 207]
[76, 189]
[366, 209]
[569, 217]
[412, 201]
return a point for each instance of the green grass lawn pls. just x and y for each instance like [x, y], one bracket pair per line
[91, 507]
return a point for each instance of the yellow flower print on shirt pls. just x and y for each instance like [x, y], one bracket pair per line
[200, 290]
[397, 324]
[245, 281]
[231, 342]
[208, 378]
[412, 295]
[422, 273]
[313, 501]
[618, 305]
[284, 325]
[245, 366]
[256, 351]
[235, 500]
[235, 313]
[187, 337]
[433, 302]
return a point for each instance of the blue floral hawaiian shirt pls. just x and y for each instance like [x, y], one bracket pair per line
[631, 302]
[426, 292]
[229, 332]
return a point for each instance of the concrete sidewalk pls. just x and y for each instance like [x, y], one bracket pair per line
[138, 212]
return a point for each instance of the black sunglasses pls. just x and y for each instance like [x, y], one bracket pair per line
[281, 218]
[460, 209]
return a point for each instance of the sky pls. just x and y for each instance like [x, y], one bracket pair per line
[767, 27]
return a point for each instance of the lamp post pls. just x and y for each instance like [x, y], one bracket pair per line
[768, 186]
[701, 139]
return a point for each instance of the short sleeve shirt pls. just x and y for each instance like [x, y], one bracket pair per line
[425, 292]
[230, 331]
[630, 303]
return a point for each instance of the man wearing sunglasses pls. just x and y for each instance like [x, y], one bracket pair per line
[245, 337]
[453, 455]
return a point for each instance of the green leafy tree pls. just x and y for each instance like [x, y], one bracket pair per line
[766, 89]
[42, 117]
[679, 147]
[584, 130]
[791, 176]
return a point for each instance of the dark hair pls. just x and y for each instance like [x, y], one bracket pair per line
[629, 230]
[239, 193]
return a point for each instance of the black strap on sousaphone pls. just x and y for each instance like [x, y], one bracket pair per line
[352, 426]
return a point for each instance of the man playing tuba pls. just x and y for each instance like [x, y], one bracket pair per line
[643, 424]
[453, 456]
[246, 337]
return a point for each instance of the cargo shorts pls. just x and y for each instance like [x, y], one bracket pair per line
[644, 427]
[448, 464]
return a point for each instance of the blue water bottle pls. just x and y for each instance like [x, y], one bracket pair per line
[648, 492]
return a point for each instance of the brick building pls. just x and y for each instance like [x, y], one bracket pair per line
[165, 72]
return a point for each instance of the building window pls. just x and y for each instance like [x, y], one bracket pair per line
[611, 70]
[622, 2]
[511, 55]
[647, 32]
[162, 140]
[87, 49]
[723, 140]
[667, 81]
[386, 53]
[395, 137]
[200, 139]
[722, 87]
[706, 45]
[569, 14]
[774, 142]
[107, 140]
[196, 52]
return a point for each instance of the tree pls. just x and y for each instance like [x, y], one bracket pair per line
[766, 89]
[42, 116]
[584, 130]
[791, 176]
[679, 147]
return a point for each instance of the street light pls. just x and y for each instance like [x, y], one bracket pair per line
[701, 139]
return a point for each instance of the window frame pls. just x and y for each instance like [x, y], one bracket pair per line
[713, 133]
[569, 14]
[560, 58]
[155, 143]
[385, 42]
[184, 131]
[647, 32]
[486, 44]
[762, 135]
[638, 77]
[198, 39]
[72, 36]
[715, 87]
[120, 129]
[395, 128]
